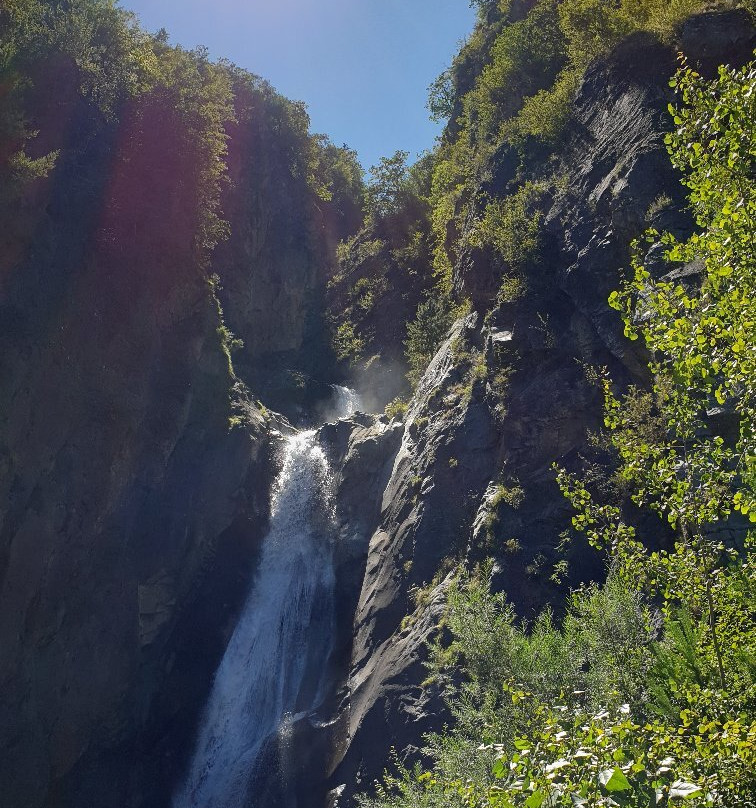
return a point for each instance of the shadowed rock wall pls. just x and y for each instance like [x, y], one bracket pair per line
[130, 512]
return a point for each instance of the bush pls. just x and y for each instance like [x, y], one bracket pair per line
[526, 57]
[347, 343]
[591, 28]
[389, 185]
[396, 408]
[544, 116]
[425, 334]
[512, 226]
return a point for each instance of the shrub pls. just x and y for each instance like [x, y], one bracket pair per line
[591, 27]
[396, 408]
[544, 116]
[389, 185]
[526, 56]
[513, 496]
[347, 343]
[425, 334]
[512, 226]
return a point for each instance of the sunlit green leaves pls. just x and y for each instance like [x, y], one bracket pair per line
[702, 341]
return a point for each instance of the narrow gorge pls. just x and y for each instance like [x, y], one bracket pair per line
[260, 418]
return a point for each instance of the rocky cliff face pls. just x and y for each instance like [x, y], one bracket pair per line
[132, 513]
[504, 398]
[274, 266]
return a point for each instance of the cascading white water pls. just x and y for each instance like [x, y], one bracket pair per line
[346, 401]
[284, 631]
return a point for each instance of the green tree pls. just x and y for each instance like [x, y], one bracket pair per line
[441, 96]
[673, 453]
[425, 334]
[388, 186]
[20, 23]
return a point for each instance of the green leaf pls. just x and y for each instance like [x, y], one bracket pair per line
[614, 780]
[535, 800]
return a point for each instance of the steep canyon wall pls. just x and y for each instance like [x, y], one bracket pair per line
[137, 465]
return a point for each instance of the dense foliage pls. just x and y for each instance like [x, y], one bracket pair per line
[507, 102]
[643, 695]
[383, 272]
[126, 80]
[509, 93]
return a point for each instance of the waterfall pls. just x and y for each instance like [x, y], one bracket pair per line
[346, 401]
[282, 637]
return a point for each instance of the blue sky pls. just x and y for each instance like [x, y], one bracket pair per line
[361, 66]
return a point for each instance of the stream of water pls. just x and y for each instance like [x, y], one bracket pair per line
[283, 635]
[346, 401]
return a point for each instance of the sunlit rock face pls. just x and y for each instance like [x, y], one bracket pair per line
[467, 435]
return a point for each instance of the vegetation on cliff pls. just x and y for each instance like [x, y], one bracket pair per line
[507, 99]
[640, 692]
[178, 128]
[643, 693]
[178, 169]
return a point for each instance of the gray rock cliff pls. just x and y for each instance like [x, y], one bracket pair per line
[504, 398]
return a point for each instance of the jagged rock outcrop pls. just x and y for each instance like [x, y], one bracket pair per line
[507, 395]
[418, 522]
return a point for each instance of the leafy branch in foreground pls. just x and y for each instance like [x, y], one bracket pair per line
[692, 471]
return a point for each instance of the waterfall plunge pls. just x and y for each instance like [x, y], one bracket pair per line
[346, 401]
[283, 632]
